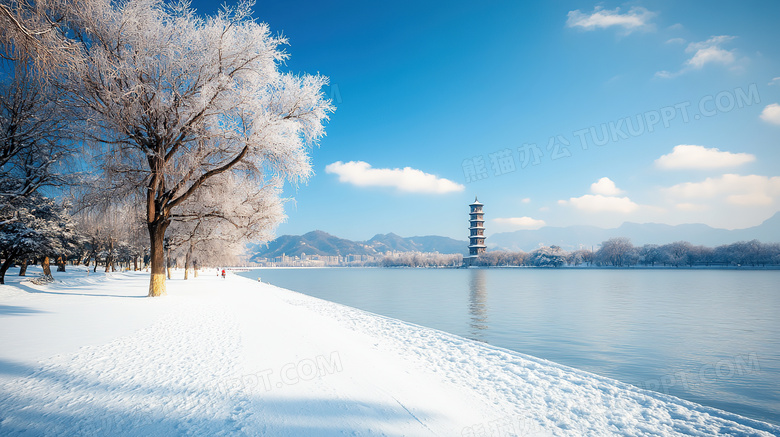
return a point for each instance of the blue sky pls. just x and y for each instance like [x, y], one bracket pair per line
[553, 113]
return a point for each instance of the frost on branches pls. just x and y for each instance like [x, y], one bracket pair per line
[33, 31]
[228, 211]
[34, 140]
[113, 233]
[34, 149]
[171, 100]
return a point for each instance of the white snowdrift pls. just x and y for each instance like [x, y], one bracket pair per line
[89, 355]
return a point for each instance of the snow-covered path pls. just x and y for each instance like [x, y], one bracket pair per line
[91, 356]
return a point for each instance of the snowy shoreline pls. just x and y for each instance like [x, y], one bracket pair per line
[89, 355]
[567, 267]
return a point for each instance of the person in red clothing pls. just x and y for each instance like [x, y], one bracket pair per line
[223, 273]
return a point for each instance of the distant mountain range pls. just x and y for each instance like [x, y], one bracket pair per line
[569, 238]
[574, 237]
[322, 243]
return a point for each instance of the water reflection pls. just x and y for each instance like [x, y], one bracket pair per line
[478, 304]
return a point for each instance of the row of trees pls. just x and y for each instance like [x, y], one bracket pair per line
[188, 125]
[552, 256]
[619, 252]
[46, 233]
[422, 259]
[615, 252]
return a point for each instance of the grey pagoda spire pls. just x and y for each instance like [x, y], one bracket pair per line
[476, 229]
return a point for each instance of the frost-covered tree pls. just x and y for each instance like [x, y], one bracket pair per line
[501, 258]
[617, 251]
[34, 139]
[34, 31]
[35, 146]
[42, 228]
[229, 210]
[422, 259]
[94, 236]
[744, 253]
[170, 100]
[111, 231]
[649, 254]
[579, 256]
[677, 253]
[552, 256]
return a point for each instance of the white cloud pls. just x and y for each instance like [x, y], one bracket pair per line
[601, 203]
[407, 179]
[636, 18]
[774, 81]
[750, 199]
[729, 201]
[771, 114]
[606, 187]
[709, 51]
[675, 41]
[603, 199]
[687, 156]
[526, 200]
[733, 189]
[520, 222]
[704, 52]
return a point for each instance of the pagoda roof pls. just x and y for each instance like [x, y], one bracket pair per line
[476, 202]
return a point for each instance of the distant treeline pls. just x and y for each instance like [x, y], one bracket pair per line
[619, 252]
[615, 252]
[422, 259]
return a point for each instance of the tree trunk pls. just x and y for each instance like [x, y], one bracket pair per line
[168, 261]
[157, 257]
[9, 261]
[195, 267]
[110, 257]
[188, 262]
[23, 268]
[135, 263]
[60, 263]
[46, 268]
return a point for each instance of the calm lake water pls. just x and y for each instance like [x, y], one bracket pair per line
[709, 336]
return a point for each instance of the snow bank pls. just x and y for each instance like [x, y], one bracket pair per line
[89, 355]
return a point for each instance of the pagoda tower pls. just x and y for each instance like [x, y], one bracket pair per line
[476, 230]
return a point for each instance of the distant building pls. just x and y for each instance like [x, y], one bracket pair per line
[476, 231]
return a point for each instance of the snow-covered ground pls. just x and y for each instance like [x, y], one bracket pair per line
[90, 355]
